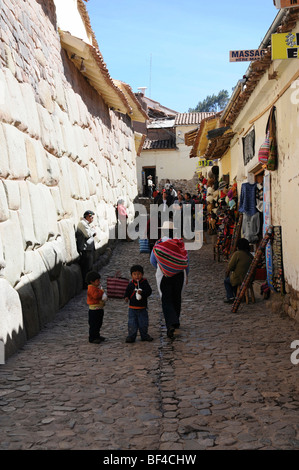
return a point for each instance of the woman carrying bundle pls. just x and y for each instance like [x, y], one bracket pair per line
[170, 258]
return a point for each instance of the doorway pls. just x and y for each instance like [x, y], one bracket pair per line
[146, 172]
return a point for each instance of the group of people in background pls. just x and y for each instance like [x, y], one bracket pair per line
[169, 257]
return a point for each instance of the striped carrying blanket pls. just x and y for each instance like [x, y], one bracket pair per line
[171, 255]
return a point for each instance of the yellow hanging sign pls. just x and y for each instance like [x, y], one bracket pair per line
[203, 163]
[285, 46]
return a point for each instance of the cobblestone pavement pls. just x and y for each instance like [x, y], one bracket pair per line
[225, 382]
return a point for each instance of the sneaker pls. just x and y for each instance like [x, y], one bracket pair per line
[147, 338]
[229, 301]
[130, 340]
[102, 338]
[95, 341]
[170, 332]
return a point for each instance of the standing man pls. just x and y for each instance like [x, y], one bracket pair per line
[85, 243]
[150, 186]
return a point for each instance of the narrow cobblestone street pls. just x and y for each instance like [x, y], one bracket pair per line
[225, 382]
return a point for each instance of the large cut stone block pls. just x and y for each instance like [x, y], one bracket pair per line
[12, 331]
[4, 161]
[43, 213]
[13, 250]
[13, 107]
[15, 144]
[29, 307]
[12, 192]
[4, 212]
[31, 107]
[69, 283]
[67, 231]
[25, 218]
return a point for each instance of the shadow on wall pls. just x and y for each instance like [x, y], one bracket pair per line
[80, 86]
[49, 9]
[43, 297]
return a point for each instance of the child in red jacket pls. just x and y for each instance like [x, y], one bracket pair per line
[96, 298]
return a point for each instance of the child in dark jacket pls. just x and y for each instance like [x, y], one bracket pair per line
[137, 292]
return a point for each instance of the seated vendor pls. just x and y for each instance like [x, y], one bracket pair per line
[237, 269]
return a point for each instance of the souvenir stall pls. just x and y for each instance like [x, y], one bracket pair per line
[220, 203]
[256, 225]
[251, 210]
[227, 218]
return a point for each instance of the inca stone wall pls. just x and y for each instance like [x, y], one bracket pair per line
[62, 151]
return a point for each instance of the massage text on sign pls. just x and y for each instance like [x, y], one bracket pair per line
[246, 55]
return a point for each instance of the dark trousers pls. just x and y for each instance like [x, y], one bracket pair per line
[137, 320]
[95, 321]
[231, 291]
[171, 288]
[86, 262]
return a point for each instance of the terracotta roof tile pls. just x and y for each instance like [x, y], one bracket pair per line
[159, 144]
[189, 119]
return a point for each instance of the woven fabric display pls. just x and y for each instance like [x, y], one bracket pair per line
[172, 256]
[116, 287]
[273, 157]
[264, 150]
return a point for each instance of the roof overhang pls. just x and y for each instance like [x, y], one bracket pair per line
[285, 21]
[190, 137]
[168, 144]
[90, 63]
[219, 143]
[200, 139]
[138, 113]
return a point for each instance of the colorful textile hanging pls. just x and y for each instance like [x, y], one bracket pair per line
[171, 255]
[272, 160]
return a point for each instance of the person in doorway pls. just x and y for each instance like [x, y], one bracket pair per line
[85, 243]
[237, 269]
[150, 186]
[137, 293]
[170, 258]
[96, 299]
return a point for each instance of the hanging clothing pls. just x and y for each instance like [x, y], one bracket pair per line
[251, 227]
[259, 197]
[248, 199]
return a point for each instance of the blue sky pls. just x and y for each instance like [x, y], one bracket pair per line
[179, 50]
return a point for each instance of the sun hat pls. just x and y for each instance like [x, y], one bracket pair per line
[167, 225]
